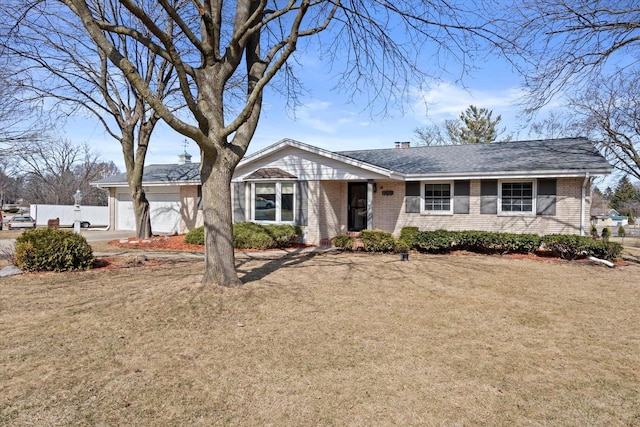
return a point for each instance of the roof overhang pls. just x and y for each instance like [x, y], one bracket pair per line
[145, 184]
[507, 175]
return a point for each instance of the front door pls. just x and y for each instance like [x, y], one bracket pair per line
[357, 207]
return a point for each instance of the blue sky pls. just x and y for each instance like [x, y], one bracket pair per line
[328, 120]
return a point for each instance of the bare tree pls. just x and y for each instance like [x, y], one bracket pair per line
[557, 125]
[54, 169]
[20, 120]
[565, 43]
[255, 41]
[59, 62]
[610, 111]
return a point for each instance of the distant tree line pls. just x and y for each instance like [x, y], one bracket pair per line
[50, 171]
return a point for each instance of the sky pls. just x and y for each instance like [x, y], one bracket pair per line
[328, 120]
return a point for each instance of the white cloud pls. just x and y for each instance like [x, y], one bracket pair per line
[446, 100]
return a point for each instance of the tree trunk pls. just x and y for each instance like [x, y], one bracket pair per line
[219, 266]
[141, 211]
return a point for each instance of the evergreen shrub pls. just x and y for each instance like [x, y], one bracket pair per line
[195, 236]
[50, 249]
[377, 241]
[343, 242]
[249, 235]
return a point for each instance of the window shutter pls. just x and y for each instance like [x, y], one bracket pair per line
[302, 203]
[412, 197]
[239, 202]
[461, 193]
[546, 200]
[489, 196]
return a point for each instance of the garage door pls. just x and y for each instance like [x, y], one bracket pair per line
[165, 212]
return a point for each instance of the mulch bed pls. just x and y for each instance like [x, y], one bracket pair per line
[176, 243]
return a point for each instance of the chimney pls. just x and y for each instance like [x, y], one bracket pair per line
[403, 144]
[184, 158]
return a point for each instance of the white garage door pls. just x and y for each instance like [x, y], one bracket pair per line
[165, 212]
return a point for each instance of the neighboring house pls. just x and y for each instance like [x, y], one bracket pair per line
[521, 186]
[610, 218]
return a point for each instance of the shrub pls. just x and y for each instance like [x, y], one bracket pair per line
[606, 233]
[343, 242]
[249, 235]
[282, 235]
[439, 241]
[408, 235]
[195, 236]
[594, 231]
[621, 231]
[401, 247]
[571, 247]
[605, 250]
[377, 241]
[51, 249]
[521, 243]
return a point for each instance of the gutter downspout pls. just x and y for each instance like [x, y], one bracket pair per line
[108, 209]
[583, 204]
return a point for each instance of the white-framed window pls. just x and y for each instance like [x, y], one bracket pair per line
[517, 197]
[273, 201]
[437, 198]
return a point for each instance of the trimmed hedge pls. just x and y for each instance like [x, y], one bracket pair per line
[249, 235]
[195, 236]
[561, 245]
[571, 247]
[343, 242]
[377, 241]
[50, 249]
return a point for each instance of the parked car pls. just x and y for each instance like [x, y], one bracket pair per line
[262, 203]
[21, 222]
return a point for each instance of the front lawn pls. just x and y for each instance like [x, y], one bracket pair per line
[330, 339]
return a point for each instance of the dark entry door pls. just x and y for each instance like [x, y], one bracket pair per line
[357, 208]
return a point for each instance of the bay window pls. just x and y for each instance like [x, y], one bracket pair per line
[273, 201]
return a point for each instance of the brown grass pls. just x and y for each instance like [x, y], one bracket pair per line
[334, 339]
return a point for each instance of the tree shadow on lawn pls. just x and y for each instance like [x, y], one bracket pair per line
[291, 259]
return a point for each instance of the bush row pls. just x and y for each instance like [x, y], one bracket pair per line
[442, 241]
[249, 235]
[372, 241]
[50, 249]
[561, 245]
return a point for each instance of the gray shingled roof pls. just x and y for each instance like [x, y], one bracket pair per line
[569, 154]
[159, 174]
[553, 155]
